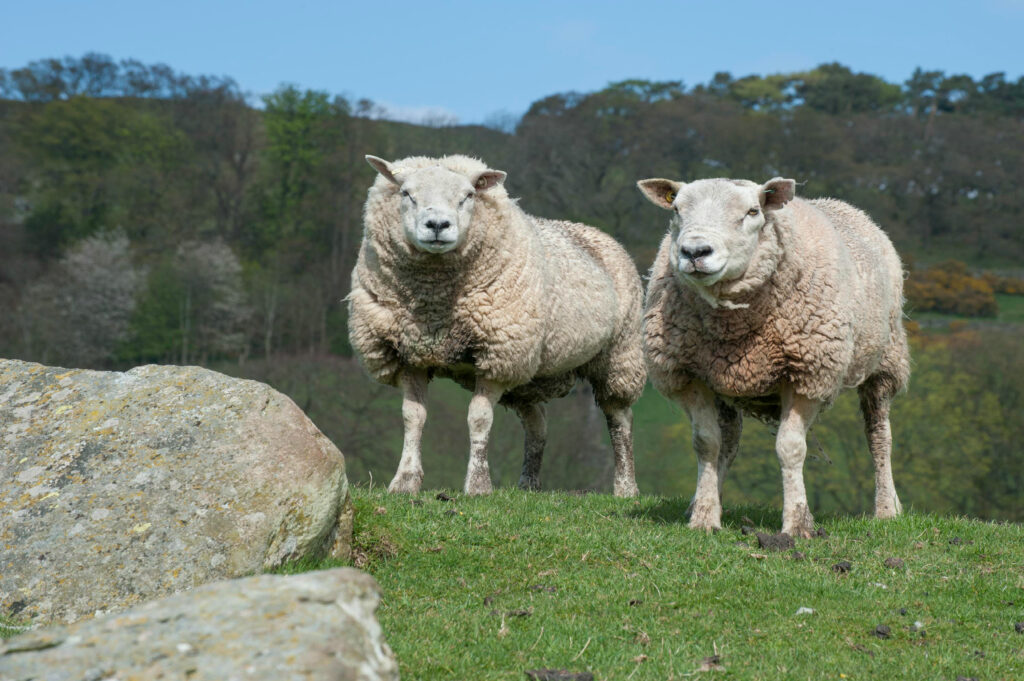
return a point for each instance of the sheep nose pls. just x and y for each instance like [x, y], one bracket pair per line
[696, 252]
[438, 225]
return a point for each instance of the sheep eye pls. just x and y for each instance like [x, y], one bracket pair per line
[753, 211]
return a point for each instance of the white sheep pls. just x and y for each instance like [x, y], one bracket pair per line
[770, 305]
[455, 280]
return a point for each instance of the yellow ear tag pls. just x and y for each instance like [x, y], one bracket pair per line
[670, 196]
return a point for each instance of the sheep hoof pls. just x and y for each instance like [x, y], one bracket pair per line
[801, 532]
[406, 483]
[479, 483]
[529, 484]
[707, 517]
[798, 523]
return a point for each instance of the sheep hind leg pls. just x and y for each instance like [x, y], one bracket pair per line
[480, 419]
[620, 428]
[535, 428]
[798, 413]
[730, 422]
[874, 405]
[706, 506]
[409, 476]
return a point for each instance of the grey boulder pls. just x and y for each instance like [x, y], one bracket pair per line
[119, 487]
[316, 626]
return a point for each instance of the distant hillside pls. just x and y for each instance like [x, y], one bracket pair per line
[91, 145]
[153, 216]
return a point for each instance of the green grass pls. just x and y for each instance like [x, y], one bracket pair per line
[624, 589]
[11, 627]
[1011, 308]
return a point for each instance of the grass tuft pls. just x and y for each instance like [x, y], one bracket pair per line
[11, 626]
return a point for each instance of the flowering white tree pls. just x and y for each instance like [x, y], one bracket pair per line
[214, 309]
[80, 309]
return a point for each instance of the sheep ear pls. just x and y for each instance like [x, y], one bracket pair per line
[660, 192]
[777, 192]
[488, 179]
[382, 167]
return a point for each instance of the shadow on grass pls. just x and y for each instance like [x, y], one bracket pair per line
[674, 511]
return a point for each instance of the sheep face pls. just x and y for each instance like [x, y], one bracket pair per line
[437, 209]
[436, 203]
[716, 224]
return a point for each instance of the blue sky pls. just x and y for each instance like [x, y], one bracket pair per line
[472, 59]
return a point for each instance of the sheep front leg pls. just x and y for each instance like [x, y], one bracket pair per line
[535, 427]
[620, 429]
[481, 416]
[409, 476]
[798, 413]
[706, 507]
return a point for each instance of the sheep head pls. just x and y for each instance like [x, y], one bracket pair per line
[436, 203]
[716, 224]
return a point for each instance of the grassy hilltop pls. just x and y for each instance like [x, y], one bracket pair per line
[487, 588]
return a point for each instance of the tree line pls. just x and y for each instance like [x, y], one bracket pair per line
[152, 216]
[235, 226]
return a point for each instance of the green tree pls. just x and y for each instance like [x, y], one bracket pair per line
[95, 163]
[298, 130]
[835, 89]
[762, 93]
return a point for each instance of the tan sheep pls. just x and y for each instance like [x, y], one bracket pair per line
[455, 280]
[770, 305]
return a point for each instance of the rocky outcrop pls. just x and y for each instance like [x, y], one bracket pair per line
[123, 487]
[314, 626]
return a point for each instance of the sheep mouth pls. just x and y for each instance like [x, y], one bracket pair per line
[436, 246]
[698, 273]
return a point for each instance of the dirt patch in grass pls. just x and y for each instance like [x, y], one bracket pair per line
[775, 542]
[558, 675]
[368, 549]
[842, 567]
